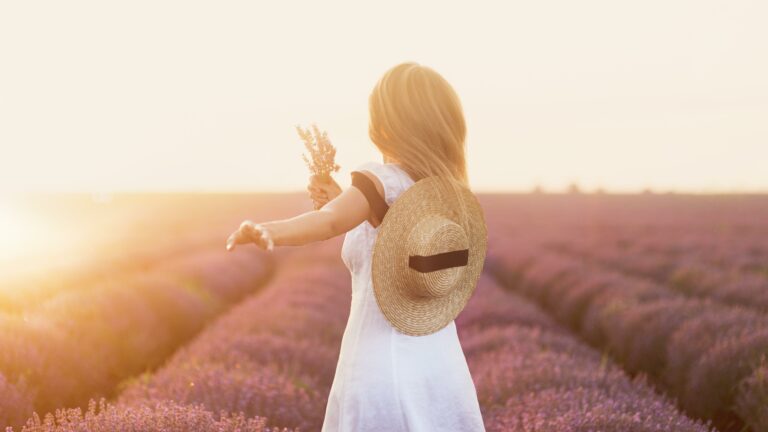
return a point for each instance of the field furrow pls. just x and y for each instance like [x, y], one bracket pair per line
[709, 355]
[81, 343]
[691, 277]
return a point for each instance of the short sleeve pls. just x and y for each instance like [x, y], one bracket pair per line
[379, 170]
[378, 204]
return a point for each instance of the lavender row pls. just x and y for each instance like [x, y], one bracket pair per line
[82, 343]
[729, 247]
[531, 375]
[167, 416]
[709, 355]
[687, 274]
[270, 360]
[657, 233]
[711, 247]
[273, 356]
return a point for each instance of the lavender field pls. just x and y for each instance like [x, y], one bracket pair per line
[594, 313]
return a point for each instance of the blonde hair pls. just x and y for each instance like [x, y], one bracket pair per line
[416, 117]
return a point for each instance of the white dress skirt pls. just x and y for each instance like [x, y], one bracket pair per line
[386, 380]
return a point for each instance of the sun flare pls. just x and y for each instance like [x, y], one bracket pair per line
[21, 234]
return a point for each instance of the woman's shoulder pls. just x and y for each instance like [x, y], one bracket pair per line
[371, 166]
[389, 175]
[381, 169]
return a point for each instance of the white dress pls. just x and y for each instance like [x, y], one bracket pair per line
[386, 380]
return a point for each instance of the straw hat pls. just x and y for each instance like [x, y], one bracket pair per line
[425, 265]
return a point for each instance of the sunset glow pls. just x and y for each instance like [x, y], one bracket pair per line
[16, 233]
[32, 240]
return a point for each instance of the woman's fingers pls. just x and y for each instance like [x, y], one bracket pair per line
[231, 242]
[254, 234]
[329, 188]
[332, 190]
[250, 230]
[244, 234]
[234, 239]
[323, 183]
[316, 190]
[321, 190]
[262, 238]
[318, 195]
[315, 180]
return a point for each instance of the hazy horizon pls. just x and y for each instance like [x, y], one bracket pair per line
[174, 96]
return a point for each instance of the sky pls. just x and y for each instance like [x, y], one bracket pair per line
[109, 96]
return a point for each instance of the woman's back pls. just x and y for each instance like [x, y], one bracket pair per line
[387, 380]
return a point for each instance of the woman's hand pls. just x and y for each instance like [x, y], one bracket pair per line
[322, 190]
[250, 232]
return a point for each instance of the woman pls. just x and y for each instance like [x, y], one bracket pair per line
[386, 380]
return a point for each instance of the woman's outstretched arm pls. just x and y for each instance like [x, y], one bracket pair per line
[338, 216]
[348, 210]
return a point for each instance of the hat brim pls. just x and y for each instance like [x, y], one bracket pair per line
[409, 314]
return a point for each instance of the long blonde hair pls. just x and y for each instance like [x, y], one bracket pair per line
[416, 117]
